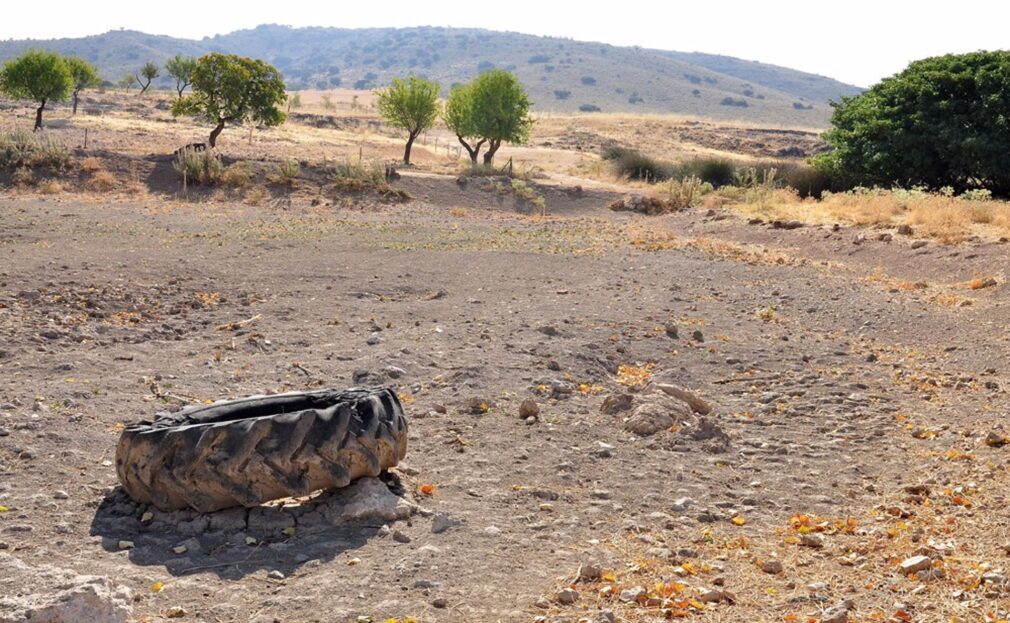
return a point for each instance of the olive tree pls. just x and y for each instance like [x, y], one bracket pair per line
[85, 76]
[148, 72]
[458, 118]
[181, 69]
[940, 122]
[499, 110]
[233, 89]
[410, 105]
[37, 75]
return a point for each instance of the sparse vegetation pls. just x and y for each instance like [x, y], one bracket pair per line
[284, 173]
[181, 69]
[198, 167]
[84, 76]
[232, 89]
[148, 72]
[22, 149]
[37, 75]
[410, 105]
[365, 176]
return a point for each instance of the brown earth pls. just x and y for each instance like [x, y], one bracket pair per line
[110, 312]
[858, 388]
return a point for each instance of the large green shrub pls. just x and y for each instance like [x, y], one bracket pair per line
[943, 121]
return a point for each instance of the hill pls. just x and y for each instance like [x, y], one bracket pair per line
[561, 74]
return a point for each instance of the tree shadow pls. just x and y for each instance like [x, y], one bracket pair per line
[236, 542]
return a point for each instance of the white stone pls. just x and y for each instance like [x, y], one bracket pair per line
[59, 595]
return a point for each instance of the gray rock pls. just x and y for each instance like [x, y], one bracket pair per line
[772, 566]
[915, 564]
[400, 537]
[567, 596]
[60, 595]
[276, 575]
[617, 403]
[442, 522]
[367, 499]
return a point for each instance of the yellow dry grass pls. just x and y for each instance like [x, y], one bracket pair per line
[947, 219]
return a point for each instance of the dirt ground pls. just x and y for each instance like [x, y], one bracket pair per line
[858, 421]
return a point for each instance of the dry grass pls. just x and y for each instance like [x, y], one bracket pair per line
[91, 165]
[50, 187]
[101, 181]
[947, 219]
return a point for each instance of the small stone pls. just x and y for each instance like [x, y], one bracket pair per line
[815, 541]
[772, 566]
[836, 614]
[477, 406]
[530, 420]
[996, 440]
[630, 595]
[424, 584]
[442, 522]
[492, 531]
[567, 596]
[400, 537]
[61, 495]
[440, 603]
[713, 596]
[590, 571]
[905, 230]
[915, 564]
[175, 612]
[374, 340]
[384, 530]
[671, 331]
[606, 616]
[528, 409]
[180, 549]
[918, 244]
[681, 504]
[616, 403]
[697, 336]
[123, 545]
[275, 575]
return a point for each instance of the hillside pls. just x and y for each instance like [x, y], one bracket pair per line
[561, 74]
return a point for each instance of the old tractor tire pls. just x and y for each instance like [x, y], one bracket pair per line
[246, 452]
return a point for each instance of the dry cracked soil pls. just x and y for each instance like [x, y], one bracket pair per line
[834, 391]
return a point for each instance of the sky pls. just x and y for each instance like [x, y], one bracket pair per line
[856, 41]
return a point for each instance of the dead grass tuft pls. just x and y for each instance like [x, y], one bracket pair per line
[91, 165]
[101, 181]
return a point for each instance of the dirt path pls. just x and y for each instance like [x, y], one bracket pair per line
[820, 373]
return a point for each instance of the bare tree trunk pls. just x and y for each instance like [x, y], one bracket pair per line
[406, 151]
[492, 149]
[38, 115]
[143, 87]
[214, 134]
[76, 97]
[474, 151]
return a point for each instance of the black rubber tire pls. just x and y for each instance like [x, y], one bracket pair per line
[249, 451]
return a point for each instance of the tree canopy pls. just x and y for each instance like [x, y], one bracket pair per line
[84, 74]
[181, 68]
[499, 110]
[411, 105]
[147, 74]
[233, 89]
[37, 75]
[943, 121]
[458, 117]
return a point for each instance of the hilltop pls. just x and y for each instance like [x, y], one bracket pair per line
[562, 75]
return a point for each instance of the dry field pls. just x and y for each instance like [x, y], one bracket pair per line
[853, 467]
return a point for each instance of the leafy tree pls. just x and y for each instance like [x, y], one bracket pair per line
[499, 110]
[233, 89]
[411, 105]
[85, 76]
[943, 121]
[37, 75]
[458, 117]
[181, 69]
[149, 72]
[126, 82]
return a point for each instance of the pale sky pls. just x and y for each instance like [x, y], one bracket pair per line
[856, 41]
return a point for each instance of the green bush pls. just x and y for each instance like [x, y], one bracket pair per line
[21, 148]
[716, 171]
[940, 122]
[198, 167]
[635, 165]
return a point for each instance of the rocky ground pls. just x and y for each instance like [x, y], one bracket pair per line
[839, 455]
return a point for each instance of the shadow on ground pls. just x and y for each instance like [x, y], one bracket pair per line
[236, 542]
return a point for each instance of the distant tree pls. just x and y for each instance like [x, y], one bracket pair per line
[943, 121]
[410, 105]
[181, 69]
[458, 117]
[500, 110]
[37, 75]
[294, 101]
[149, 72]
[233, 89]
[126, 82]
[85, 76]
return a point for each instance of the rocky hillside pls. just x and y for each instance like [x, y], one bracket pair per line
[561, 74]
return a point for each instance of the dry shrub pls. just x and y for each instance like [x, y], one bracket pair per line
[237, 175]
[50, 187]
[23, 176]
[91, 165]
[101, 181]
[255, 195]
